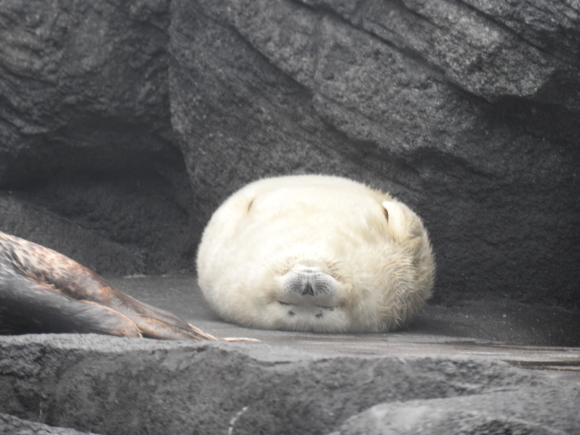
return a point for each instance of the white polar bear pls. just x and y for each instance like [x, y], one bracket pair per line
[315, 253]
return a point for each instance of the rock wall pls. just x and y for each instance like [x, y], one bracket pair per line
[88, 160]
[127, 123]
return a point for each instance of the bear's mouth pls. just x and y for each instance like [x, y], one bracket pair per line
[324, 307]
[308, 293]
[306, 310]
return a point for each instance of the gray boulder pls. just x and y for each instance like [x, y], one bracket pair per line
[469, 118]
[124, 386]
[533, 412]
[10, 425]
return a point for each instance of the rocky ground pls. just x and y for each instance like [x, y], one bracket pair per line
[487, 369]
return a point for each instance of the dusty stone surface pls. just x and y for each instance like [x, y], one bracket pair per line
[111, 385]
[471, 325]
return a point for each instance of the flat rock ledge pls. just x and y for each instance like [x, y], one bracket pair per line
[52, 384]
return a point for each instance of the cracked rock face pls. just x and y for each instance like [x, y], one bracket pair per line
[88, 163]
[145, 386]
[492, 413]
[465, 110]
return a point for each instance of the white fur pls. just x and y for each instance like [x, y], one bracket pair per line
[366, 255]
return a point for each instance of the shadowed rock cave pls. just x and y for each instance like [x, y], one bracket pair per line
[128, 216]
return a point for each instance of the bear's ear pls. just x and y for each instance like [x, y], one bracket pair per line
[395, 218]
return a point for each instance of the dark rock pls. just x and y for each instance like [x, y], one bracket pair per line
[534, 412]
[491, 49]
[11, 425]
[78, 77]
[133, 221]
[444, 105]
[53, 231]
[124, 386]
[88, 162]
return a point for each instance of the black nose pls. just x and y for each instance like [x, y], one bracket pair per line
[308, 289]
[310, 284]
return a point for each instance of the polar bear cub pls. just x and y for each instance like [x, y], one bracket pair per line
[315, 253]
